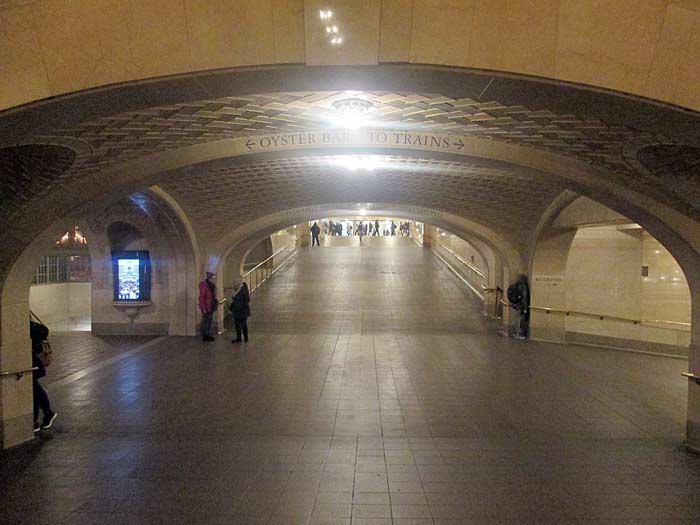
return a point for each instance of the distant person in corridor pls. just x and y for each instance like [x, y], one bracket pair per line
[240, 309]
[315, 230]
[393, 229]
[207, 305]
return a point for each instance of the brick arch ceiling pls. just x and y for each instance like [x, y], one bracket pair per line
[217, 199]
[601, 130]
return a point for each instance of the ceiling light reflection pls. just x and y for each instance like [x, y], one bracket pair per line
[356, 162]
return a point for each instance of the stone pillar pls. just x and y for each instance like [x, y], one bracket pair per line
[303, 235]
[693, 422]
[506, 311]
[429, 236]
[15, 354]
[547, 283]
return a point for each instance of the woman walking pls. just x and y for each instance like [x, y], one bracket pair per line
[240, 310]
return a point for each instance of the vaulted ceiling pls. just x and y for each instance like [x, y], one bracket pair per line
[641, 146]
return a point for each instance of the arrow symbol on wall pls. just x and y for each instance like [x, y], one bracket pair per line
[459, 144]
[249, 144]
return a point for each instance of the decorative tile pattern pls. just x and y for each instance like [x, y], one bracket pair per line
[219, 199]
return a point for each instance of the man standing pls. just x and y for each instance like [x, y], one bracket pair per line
[207, 304]
[315, 230]
[393, 229]
[376, 227]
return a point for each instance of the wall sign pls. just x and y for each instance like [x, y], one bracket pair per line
[551, 281]
[359, 138]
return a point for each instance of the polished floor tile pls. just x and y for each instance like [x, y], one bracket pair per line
[372, 391]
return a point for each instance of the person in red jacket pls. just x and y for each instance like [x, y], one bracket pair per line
[207, 304]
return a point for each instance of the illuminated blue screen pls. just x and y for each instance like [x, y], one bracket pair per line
[129, 279]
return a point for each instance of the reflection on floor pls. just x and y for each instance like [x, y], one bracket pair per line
[372, 392]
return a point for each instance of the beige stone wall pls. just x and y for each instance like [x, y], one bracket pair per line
[604, 276]
[61, 304]
[644, 47]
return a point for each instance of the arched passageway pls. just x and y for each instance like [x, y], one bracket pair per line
[234, 168]
[197, 137]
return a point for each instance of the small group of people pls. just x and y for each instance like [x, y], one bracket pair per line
[372, 229]
[375, 230]
[239, 307]
[335, 228]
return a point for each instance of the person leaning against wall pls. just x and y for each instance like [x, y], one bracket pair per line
[207, 305]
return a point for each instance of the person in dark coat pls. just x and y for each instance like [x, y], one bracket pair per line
[240, 310]
[39, 333]
[315, 230]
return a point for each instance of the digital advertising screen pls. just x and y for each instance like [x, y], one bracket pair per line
[129, 279]
[132, 276]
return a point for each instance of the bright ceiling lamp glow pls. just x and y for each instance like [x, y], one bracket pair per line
[351, 113]
[363, 212]
[356, 163]
[325, 14]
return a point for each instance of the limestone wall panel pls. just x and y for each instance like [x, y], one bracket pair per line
[609, 44]
[512, 35]
[671, 53]
[357, 24]
[395, 33]
[288, 19]
[228, 34]
[52, 47]
[22, 73]
[158, 34]
[441, 31]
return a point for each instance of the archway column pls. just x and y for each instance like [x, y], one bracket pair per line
[548, 283]
[693, 421]
[303, 235]
[15, 354]
[429, 236]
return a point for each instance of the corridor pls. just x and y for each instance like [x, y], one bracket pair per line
[372, 391]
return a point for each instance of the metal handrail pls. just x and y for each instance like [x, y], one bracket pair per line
[270, 257]
[466, 263]
[609, 317]
[254, 280]
[691, 377]
[18, 373]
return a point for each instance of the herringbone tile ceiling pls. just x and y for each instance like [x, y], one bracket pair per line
[506, 200]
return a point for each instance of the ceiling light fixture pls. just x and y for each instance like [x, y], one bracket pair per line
[352, 111]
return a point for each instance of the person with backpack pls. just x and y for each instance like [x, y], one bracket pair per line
[38, 333]
[240, 309]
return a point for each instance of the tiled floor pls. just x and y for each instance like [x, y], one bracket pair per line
[76, 351]
[372, 392]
